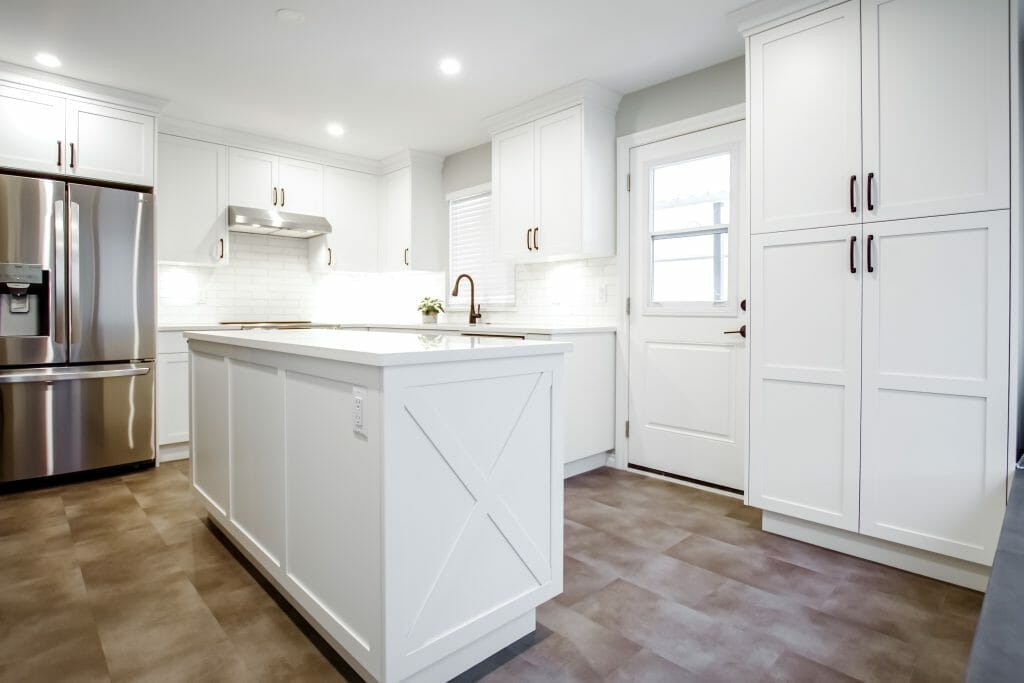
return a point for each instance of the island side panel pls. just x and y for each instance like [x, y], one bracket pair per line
[473, 460]
[325, 495]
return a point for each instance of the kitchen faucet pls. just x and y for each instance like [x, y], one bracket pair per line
[474, 310]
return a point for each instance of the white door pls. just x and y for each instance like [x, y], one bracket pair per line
[191, 226]
[936, 110]
[936, 330]
[805, 339]
[350, 206]
[512, 199]
[110, 144]
[559, 177]
[687, 373]
[805, 138]
[302, 186]
[32, 131]
[252, 179]
[396, 223]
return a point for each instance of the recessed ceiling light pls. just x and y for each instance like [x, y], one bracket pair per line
[290, 16]
[46, 59]
[450, 66]
[335, 129]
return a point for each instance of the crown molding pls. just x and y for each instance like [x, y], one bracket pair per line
[236, 138]
[589, 94]
[411, 157]
[764, 14]
[78, 89]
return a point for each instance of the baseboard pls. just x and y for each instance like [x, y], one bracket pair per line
[948, 569]
[172, 451]
[591, 462]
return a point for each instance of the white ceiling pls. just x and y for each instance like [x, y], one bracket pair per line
[371, 65]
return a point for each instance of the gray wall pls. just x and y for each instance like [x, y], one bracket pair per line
[715, 87]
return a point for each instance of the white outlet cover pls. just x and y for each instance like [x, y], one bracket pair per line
[359, 410]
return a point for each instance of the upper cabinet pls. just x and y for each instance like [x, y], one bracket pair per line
[350, 202]
[805, 145]
[936, 107]
[926, 83]
[266, 181]
[413, 215]
[49, 133]
[191, 226]
[553, 176]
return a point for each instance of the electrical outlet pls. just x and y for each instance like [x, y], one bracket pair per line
[359, 410]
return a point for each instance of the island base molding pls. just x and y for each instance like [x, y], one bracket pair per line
[948, 569]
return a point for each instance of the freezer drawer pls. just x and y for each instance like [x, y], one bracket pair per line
[67, 419]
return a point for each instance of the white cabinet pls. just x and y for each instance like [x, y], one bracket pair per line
[110, 144]
[936, 353]
[350, 204]
[551, 182]
[191, 198]
[44, 132]
[805, 122]
[172, 398]
[936, 107]
[265, 181]
[413, 217]
[805, 310]
[31, 130]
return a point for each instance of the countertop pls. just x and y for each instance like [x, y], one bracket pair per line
[202, 326]
[379, 348]
[998, 650]
[488, 328]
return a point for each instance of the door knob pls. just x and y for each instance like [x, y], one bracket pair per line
[742, 331]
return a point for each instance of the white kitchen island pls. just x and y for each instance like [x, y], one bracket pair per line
[403, 491]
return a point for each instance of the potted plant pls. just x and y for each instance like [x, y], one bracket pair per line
[430, 307]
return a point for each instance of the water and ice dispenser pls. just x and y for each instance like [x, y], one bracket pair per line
[24, 300]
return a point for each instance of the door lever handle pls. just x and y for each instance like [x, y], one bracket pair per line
[742, 331]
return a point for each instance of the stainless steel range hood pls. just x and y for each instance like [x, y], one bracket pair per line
[273, 222]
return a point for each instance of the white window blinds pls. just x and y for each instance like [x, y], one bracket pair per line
[472, 251]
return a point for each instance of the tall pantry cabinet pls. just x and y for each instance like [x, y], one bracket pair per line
[880, 135]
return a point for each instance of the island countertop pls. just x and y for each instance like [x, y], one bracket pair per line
[379, 348]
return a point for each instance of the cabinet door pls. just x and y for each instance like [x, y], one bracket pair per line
[301, 185]
[110, 144]
[191, 198]
[31, 131]
[805, 307]
[396, 226]
[350, 206]
[805, 141]
[936, 330]
[936, 106]
[252, 179]
[559, 178]
[512, 196]
[172, 398]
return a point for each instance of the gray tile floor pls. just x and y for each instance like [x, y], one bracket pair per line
[121, 579]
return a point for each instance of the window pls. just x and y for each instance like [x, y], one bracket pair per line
[689, 219]
[471, 250]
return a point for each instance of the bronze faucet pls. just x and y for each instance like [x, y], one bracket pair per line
[474, 310]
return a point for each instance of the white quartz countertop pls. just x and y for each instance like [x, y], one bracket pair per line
[379, 348]
[201, 326]
[488, 328]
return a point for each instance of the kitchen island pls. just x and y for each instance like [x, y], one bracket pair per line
[403, 492]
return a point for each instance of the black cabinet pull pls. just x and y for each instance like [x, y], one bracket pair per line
[742, 331]
[528, 245]
[853, 242]
[72, 155]
[871, 268]
[330, 257]
[58, 154]
[871, 203]
[853, 199]
[275, 196]
[536, 246]
[282, 197]
[220, 255]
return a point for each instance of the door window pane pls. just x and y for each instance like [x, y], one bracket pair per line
[690, 267]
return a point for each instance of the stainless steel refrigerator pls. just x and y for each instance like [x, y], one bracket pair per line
[77, 327]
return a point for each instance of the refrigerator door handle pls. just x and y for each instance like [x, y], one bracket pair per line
[74, 275]
[67, 374]
[58, 287]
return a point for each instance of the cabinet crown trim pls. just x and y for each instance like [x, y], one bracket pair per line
[24, 77]
[587, 93]
[411, 157]
[762, 15]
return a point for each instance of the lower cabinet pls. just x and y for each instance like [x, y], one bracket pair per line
[172, 404]
[879, 379]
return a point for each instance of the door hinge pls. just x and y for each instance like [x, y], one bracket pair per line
[627, 304]
[627, 429]
[628, 177]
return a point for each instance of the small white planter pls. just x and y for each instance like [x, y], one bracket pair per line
[429, 318]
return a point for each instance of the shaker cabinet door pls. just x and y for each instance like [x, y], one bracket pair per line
[301, 185]
[805, 122]
[559, 194]
[252, 179]
[512, 199]
[110, 144]
[191, 224]
[32, 131]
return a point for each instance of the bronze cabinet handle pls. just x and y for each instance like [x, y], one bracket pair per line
[871, 203]
[275, 196]
[871, 267]
[853, 201]
[72, 155]
[536, 246]
[853, 241]
[742, 331]
[58, 154]
[528, 245]
[330, 257]
[221, 254]
[282, 197]
[405, 256]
